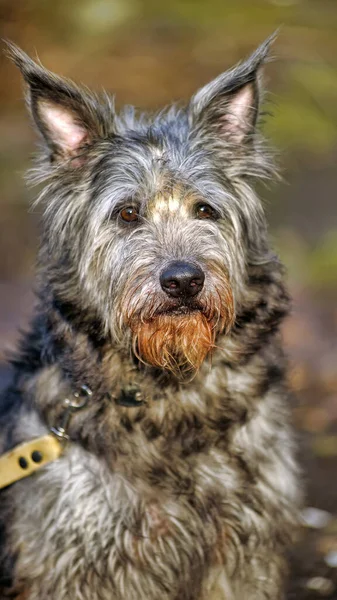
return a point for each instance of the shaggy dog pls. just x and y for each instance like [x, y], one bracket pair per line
[153, 366]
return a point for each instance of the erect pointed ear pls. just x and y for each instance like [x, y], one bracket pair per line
[67, 117]
[228, 107]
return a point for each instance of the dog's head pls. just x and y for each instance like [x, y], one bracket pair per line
[150, 222]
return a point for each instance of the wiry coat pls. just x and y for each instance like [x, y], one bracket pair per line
[193, 494]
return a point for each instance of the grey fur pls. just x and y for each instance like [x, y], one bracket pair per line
[194, 495]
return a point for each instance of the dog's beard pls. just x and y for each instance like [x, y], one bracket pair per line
[177, 341]
[178, 344]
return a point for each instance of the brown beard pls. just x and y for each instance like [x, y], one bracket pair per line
[175, 343]
[178, 343]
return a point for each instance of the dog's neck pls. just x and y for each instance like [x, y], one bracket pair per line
[62, 353]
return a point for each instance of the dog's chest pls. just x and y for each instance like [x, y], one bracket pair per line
[103, 526]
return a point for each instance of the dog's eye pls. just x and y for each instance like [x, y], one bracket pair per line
[205, 211]
[129, 214]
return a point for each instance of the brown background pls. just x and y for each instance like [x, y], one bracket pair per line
[148, 53]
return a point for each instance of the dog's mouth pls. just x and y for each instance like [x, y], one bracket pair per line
[178, 309]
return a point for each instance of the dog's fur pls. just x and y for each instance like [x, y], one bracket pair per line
[192, 494]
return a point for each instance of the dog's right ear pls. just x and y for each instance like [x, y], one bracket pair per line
[68, 117]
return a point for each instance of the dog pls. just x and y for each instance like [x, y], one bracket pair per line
[153, 369]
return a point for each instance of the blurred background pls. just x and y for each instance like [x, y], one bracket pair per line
[148, 53]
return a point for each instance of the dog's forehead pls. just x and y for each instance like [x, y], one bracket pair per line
[163, 179]
[172, 203]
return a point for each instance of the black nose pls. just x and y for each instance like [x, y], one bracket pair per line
[182, 279]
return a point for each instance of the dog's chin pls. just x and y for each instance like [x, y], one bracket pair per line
[176, 340]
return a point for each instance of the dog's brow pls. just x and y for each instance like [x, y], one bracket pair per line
[172, 204]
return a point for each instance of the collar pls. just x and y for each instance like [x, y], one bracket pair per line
[27, 458]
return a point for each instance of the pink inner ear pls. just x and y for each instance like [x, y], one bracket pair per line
[236, 120]
[65, 131]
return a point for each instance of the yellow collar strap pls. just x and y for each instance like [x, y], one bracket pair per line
[25, 459]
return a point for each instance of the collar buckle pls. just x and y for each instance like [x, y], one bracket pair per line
[79, 400]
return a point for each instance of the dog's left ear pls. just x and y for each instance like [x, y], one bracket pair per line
[68, 117]
[228, 107]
